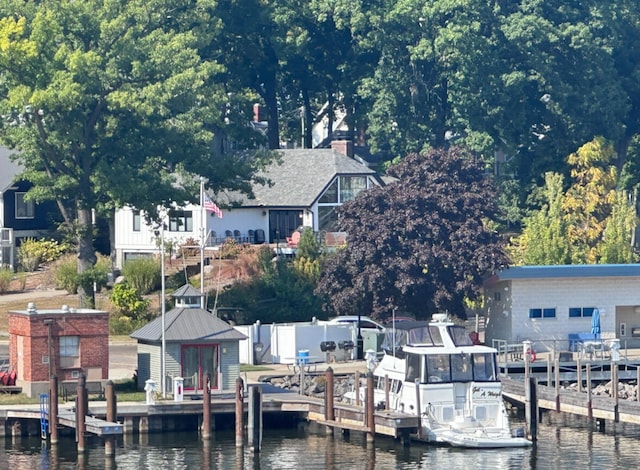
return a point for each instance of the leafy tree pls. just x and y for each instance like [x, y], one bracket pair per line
[617, 246]
[112, 103]
[587, 203]
[419, 244]
[544, 240]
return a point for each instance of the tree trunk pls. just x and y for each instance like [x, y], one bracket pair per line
[86, 257]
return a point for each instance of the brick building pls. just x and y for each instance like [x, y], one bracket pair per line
[65, 342]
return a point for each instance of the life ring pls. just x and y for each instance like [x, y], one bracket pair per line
[532, 355]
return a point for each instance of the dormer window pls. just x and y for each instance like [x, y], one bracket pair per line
[24, 209]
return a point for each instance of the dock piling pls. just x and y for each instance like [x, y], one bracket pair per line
[239, 413]
[206, 408]
[255, 418]
[110, 395]
[53, 409]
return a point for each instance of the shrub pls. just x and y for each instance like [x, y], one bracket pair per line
[131, 310]
[6, 276]
[67, 277]
[32, 253]
[143, 274]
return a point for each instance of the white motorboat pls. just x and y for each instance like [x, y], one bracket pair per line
[434, 370]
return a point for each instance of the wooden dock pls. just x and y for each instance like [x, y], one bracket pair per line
[574, 402]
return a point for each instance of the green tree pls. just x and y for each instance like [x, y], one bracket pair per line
[420, 244]
[544, 240]
[617, 244]
[112, 103]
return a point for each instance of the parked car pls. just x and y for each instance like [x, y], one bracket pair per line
[366, 323]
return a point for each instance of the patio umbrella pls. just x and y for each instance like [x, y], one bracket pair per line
[595, 323]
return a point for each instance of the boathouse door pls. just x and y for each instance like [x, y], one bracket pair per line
[197, 360]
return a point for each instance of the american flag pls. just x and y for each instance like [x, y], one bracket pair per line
[210, 206]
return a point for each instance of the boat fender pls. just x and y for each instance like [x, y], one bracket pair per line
[532, 355]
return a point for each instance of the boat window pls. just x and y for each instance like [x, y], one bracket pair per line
[460, 336]
[413, 367]
[436, 337]
[484, 368]
[419, 336]
[438, 368]
[461, 370]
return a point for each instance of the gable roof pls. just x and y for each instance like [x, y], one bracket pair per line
[301, 177]
[566, 271]
[188, 324]
[9, 169]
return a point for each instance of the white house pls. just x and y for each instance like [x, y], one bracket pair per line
[557, 303]
[307, 187]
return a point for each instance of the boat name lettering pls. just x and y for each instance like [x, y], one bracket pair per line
[484, 393]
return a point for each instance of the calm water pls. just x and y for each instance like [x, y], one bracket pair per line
[563, 443]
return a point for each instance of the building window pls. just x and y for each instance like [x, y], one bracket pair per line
[24, 208]
[542, 313]
[579, 312]
[136, 221]
[343, 189]
[181, 221]
[69, 351]
[496, 296]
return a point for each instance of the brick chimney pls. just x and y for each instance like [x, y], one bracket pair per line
[345, 147]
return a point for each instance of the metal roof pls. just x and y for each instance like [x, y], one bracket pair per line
[188, 324]
[568, 271]
[186, 290]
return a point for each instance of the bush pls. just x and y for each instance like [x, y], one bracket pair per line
[67, 277]
[6, 276]
[131, 310]
[143, 274]
[32, 253]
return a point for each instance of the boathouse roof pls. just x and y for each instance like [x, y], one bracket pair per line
[567, 271]
[188, 324]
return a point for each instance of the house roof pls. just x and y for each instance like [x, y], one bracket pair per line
[566, 271]
[302, 176]
[186, 290]
[188, 324]
[9, 169]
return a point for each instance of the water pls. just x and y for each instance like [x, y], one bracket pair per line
[563, 442]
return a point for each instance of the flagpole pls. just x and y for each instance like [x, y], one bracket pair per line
[162, 309]
[203, 220]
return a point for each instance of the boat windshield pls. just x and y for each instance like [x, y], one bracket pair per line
[460, 336]
[465, 367]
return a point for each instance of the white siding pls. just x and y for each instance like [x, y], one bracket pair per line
[615, 298]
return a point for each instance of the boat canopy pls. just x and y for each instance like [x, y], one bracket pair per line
[422, 333]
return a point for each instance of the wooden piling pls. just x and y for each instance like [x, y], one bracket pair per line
[239, 413]
[206, 408]
[579, 376]
[53, 409]
[110, 395]
[387, 391]
[81, 411]
[329, 390]
[556, 380]
[589, 393]
[357, 387]
[254, 429]
[531, 408]
[614, 391]
[371, 422]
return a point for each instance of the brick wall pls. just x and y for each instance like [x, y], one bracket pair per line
[28, 343]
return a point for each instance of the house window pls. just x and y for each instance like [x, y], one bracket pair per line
[181, 221]
[542, 313]
[496, 296]
[343, 189]
[579, 312]
[24, 208]
[69, 351]
[136, 221]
